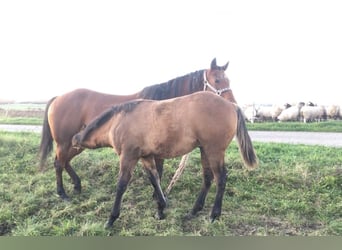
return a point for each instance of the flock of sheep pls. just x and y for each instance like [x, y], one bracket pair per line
[306, 112]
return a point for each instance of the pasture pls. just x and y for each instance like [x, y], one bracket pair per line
[22, 113]
[297, 190]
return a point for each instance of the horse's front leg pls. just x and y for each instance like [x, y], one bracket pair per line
[126, 170]
[207, 180]
[160, 167]
[150, 166]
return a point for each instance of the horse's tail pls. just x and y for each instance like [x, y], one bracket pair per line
[46, 143]
[245, 142]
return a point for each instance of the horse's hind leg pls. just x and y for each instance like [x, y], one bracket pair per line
[59, 179]
[74, 177]
[62, 162]
[220, 175]
[150, 166]
[207, 180]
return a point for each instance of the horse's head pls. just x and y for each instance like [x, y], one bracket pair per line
[216, 80]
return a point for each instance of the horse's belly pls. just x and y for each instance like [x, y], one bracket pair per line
[171, 150]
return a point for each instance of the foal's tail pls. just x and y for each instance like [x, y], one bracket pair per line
[46, 143]
[245, 142]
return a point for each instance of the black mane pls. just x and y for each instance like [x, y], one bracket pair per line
[173, 88]
[107, 114]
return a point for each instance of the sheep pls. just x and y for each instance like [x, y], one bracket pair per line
[264, 113]
[313, 113]
[250, 113]
[270, 113]
[277, 109]
[291, 113]
[334, 112]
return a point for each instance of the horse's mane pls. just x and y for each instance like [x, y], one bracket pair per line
[107, 114]
[173, 88]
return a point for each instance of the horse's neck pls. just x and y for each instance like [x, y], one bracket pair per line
[174, 88]
[96, 138]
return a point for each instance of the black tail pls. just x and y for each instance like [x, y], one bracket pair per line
[46, 143]
[245, 142]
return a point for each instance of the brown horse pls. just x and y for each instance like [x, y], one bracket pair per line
[146, 130]
[65, 115]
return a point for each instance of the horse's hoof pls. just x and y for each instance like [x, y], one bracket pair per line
[108, 225]
[77, 190]
[160, 216]
[189, 216]
[64, 197]
[214, 217]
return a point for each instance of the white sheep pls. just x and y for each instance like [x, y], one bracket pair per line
[270, 113]
[313, 113]
[264, 113]
[291, 113]
[277, 109]
[334, 112]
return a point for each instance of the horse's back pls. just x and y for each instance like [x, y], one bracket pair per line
[71, 111]
[212, 116]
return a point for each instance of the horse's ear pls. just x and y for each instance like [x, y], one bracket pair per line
[225, 66]
[213, 64]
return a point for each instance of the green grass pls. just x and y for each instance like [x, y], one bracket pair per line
[325, 126]
[21, 120]
[297, 190]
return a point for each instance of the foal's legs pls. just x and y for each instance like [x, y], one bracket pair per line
[127, 166]
[213, 167]
[207, 180]
[150, 166]
[220, 175]
[159, 166]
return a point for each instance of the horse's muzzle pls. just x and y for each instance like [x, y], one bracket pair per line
[76, 141]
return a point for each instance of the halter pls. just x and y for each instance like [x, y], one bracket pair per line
[211, 87]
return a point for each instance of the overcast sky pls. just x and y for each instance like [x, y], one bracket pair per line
[279, 51]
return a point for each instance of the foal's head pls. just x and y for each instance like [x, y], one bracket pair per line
[218, 82]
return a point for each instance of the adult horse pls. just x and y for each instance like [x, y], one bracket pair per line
[145, 130]
[65, 115]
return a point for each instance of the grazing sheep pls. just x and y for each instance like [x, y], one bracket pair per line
[264, 113]
[334, 112]
[313, 113]
[291, 113]
[270, 113]
[277, 109]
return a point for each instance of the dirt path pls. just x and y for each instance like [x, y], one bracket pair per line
[309, 138]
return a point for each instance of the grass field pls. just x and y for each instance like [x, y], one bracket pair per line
[297, 190]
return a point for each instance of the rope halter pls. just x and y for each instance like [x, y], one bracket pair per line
[211, 87]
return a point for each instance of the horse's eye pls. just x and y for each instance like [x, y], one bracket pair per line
[217, 81]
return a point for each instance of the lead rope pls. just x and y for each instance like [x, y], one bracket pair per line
[178, 173]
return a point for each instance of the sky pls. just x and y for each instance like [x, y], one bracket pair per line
[278, 51]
